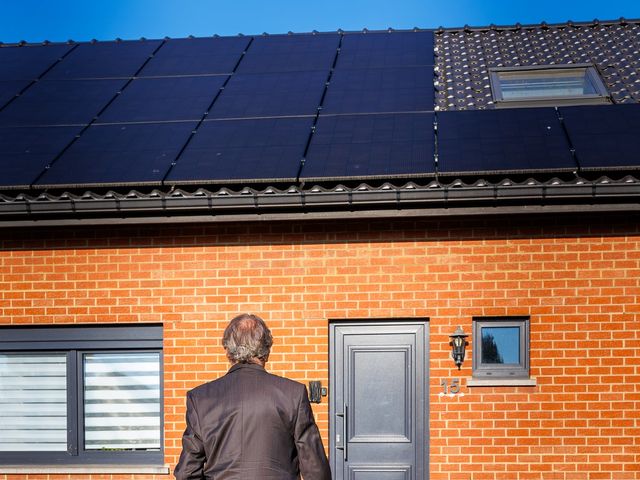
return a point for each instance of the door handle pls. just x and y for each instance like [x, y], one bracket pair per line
[345, 431]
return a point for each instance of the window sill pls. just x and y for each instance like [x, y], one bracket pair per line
[83, 469]
[502, 382]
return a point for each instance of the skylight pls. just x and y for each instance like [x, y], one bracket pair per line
[548, 85]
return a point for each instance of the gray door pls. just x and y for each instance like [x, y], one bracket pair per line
[378, 409]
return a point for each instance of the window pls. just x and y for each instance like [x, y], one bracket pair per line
[547, 86]
[81, 395]
[501, 347]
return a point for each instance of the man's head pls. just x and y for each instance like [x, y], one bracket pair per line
[247, 340]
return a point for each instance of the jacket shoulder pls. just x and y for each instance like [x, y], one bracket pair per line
[286, 383]
[206, 388]
[223, 384]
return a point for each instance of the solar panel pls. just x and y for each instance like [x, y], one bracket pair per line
[604, 136]
[289, 53]
[371, 146]
[9, 89]
[162, 99]
[25, 152]
[250, 150]
[369, 90]
[196, 56]
[388, 49]
[119, 154]
[30, 61]
[502, 141]
[60, 102]
[104, 60]
[270, 94]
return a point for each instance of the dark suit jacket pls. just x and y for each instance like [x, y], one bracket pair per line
[251, 425]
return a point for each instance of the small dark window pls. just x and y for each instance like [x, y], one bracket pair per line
[501, 347]
[81, 395]
[547, 86]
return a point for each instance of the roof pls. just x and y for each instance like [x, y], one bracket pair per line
[464, 56]
[312, 125]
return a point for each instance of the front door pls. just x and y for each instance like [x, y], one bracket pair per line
[379, 407]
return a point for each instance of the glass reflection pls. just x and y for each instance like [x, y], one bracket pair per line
[546, 83]
[501, 345]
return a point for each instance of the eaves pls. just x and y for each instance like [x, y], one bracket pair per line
[340, 202]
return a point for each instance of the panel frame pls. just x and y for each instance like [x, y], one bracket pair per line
[342, 86]
[27, 170]
[379, 59]
[151, 71]
[237, 89]
[601, 143]
[104, 51]
[59, 94]
[280, 49]
[59, 51]
[117, 110]
[320, 148]
[409, 433]
[71, 157]
[191, 154]
[503, 128]
[404, 470]
[602, 96]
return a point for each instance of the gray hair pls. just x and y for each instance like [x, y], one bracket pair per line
[247, 339]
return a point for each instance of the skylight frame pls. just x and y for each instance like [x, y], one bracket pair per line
[590, 73]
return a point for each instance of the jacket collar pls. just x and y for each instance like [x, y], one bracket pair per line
[252, 366]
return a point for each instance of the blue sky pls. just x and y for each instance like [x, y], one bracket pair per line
[38, 20]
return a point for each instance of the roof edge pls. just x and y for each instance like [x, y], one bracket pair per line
[294, 204]
[437, 30]
[444, 212]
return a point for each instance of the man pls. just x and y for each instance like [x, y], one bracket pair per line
[250, 424]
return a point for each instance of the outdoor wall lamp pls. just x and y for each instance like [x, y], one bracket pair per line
[458, 343]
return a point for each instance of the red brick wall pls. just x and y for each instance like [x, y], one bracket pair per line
[578, 280]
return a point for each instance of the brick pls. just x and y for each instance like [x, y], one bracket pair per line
[581, 292]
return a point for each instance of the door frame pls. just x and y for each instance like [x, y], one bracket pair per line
[333, 323]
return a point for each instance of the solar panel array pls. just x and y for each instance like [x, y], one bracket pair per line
[244, 150]
[104, 60]
[24, 152]
[502, 141]
[60, 102]
[163, 99]
[114, 154]
[281, 108]
[196, 56]
[371, 146]
[259, 125]
[604, 137]
[290, 53]
[365, 129]
[281, 94]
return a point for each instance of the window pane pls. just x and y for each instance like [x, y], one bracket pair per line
[33, 402]
[122, 401]
[501, 345]
[549, 83]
